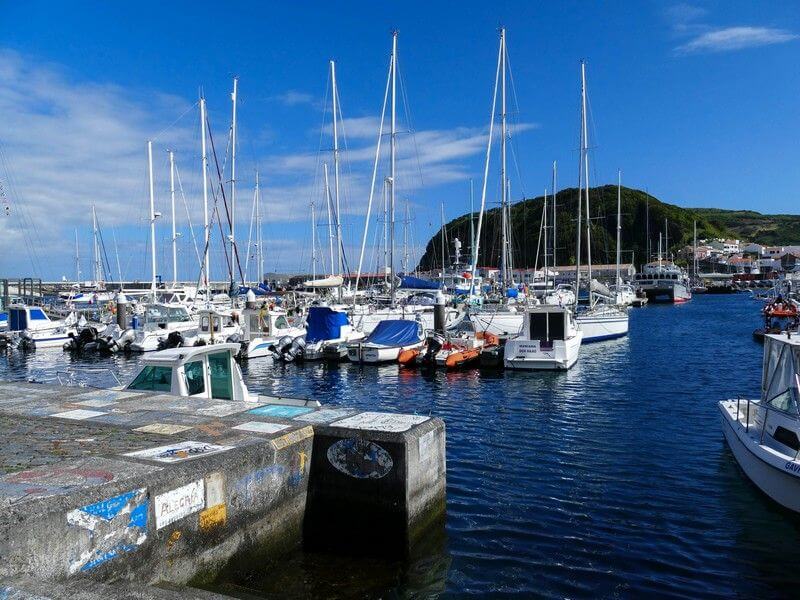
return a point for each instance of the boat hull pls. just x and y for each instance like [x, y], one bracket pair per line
[674, 294]
[531, 356]
[770, 471]
[373, 354]
[603, 327]
[498, 323]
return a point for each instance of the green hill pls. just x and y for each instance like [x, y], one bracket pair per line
[639, 211]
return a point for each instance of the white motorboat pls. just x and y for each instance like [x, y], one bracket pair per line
[501, 320]
[387, 341]
[366, 317]
[214, 327]
[263, 328]
[624, 294]
[764, 434]
[201, 372]
[328, 332]
[550, 340]
[36, 330]
[160, 321]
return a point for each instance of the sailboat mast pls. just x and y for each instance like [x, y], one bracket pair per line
[555, 229]
[328, 201]
[579, 225]
[98, 276]
[206, 231]
[544, 220]
[619, 225]
[471, 224]
[584, 125]
[77, 260]
[503, 134]
[174, 232]
[234, 96]
[152, 218]
[313, 242]
[335, 95]
[406, 223]
[443, 241]
[694, 250]
[259, 241]
[393, 154]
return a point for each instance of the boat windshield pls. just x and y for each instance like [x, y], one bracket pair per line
[166, 314]
[153, 378]
[780, 386]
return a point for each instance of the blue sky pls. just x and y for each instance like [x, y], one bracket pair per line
[695, 102]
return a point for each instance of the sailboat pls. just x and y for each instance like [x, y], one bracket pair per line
[504, 318]
[603, 319]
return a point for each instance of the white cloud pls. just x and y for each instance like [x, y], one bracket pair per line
[735, 38]
[294, 98]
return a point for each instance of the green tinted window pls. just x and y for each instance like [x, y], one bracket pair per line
[219, 367]
[154, 379]
[195, 382]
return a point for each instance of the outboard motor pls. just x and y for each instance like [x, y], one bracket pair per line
[435, 343]
[295, 350]
[281, 346]
[174, 340]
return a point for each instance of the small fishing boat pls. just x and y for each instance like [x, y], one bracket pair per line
[160, 321]
[214, 326]
[34, 329]
[266, 328]
[764, 434]
[550, 340]
[328, 332]
[387, 341]
[201, 372]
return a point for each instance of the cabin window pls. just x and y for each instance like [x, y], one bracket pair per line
[787, 438]
[219, 367]
[37, 314]
[153, 379]
[195, 381]
[547, 326]
[179, 315]
[785, 401]
[281, 323]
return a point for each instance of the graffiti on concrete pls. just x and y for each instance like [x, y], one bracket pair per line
[179, 451]
[360, 458]
[179, 503]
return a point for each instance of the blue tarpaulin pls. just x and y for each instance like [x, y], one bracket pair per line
[407, 282]
[261, 290]
[512, 293]
[395, 333]
[322, 323]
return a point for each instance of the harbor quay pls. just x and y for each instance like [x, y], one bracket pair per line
[155, 492]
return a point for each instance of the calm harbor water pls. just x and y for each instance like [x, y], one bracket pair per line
[610, 480]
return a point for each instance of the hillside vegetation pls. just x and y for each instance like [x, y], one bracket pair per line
[641, 213]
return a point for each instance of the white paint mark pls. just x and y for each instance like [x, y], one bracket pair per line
[375, 421]
[79, 414]
[224, 410]
[96, 403]
[179, 503]
[425, 445]
[261, 427]
[215, 489]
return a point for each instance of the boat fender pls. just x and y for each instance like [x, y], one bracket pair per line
[408, 357]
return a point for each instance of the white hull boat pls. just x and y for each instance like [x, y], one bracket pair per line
[763, 434]
[387, 341]
[550, 340]
[603, 322]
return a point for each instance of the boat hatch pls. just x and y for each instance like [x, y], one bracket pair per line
[547, 326]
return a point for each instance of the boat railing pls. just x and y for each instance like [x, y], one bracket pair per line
[768, 409]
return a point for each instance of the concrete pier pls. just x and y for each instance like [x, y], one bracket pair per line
[152, 489]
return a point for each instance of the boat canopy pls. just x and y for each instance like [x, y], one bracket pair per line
[397, 332]
[409, 282]
[323, 323]
[780, 382]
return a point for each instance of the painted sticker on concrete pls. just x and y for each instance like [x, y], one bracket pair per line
[260, 427]
[98, 403]
[293, 437]
[213, 517]
[108, 396]
[325, 415]
[360, 458]
[79, 414]
[376, 421]
[179, 451]
[283, 411]
[163, 428]
[179, 503]
[115, 526]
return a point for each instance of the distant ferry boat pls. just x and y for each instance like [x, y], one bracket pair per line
[664, 282]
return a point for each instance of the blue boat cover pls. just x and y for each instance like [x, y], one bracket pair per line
[261, 290]
[322, 323]
[407, 282]
[512, 293]
[395, 333]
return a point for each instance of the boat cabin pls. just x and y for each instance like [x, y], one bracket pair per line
[199, 371]
[213, 322]
[157, 316]
[547, 323]
[779, 413]
[259, 323]
[22, 317]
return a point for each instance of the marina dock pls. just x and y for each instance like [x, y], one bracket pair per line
[145, 489]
